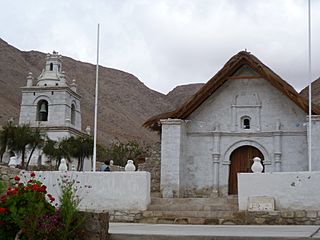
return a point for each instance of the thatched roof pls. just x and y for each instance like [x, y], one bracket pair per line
[236, 62]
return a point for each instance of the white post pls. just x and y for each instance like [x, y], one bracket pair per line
[94, 160]
[310, 81]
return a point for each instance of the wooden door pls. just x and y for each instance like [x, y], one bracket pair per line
[241, 161]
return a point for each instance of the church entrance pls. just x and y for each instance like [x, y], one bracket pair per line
[241, 160]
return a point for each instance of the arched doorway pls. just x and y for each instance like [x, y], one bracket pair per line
[241, 161]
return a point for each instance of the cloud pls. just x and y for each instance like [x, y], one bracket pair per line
[167, 43]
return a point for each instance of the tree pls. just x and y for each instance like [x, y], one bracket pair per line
[72, 147]
[80, 148]
[120, 152]
[6, 137]
[23, 136]
[55, 150]
[36, 141]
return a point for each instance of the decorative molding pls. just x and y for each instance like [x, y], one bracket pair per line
[171, 121]
[249, 134]
[241, 143]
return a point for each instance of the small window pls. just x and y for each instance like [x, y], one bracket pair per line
[52, 92]
[245, 123]
[51, 66]
[73, 114]
[57, 84]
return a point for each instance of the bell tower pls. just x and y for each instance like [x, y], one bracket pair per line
[51, 102]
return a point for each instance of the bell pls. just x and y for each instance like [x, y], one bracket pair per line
[43, 108]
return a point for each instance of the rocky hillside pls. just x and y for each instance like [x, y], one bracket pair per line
[315, 91]
[181, 94]
[124, 102]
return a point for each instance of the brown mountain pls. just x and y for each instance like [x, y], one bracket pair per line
[315, 91]
[124, 102]
[181, 94]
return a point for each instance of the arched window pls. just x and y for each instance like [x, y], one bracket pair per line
[42, 110]
[245, 122]
[51, 66]
[73, 114]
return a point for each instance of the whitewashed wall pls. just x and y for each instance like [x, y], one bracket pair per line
[104, 190]
[291, 190]
[196, 161]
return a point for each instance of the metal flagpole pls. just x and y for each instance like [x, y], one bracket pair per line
[310, 81]
[96, 107]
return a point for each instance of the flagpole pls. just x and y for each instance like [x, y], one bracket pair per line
[96, 107]
[310, 81]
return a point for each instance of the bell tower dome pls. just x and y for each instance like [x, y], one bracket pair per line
[52, 74]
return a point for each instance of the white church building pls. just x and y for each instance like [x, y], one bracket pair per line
[244, 111]
[51, 103]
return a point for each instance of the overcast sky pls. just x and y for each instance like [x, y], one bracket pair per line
[166, 43]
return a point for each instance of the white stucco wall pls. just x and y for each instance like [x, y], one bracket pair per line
[266, 106]
[315, 133]
[291, 190]
[108, 190]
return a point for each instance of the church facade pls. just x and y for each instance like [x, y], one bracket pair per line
[244, 111]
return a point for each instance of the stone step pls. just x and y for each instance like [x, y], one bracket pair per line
[192, 207]
[188, 214]
[155, 194]
[189, 220]
[195, 201]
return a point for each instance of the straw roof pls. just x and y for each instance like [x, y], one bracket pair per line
[234, 64]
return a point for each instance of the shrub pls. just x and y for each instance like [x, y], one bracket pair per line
[26, 210]
[23, 206]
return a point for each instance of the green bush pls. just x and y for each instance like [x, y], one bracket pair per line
[26, 209]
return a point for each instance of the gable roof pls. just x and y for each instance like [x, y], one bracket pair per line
[236, 62]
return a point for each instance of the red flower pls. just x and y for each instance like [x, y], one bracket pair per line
[11, 191]
[52, 199]
[26, 188]
[43, 189]
[3, 199]
[20, 183]
[34, 187]
[2, 210]
[32, 174]
[16, 178]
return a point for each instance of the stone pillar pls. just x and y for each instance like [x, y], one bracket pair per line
[315, 138]
[173, 133]
[216, 162]
[277, 161]
[277, 146]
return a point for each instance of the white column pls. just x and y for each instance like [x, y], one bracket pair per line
[277, 146]
[216, 161]
[171, 157]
